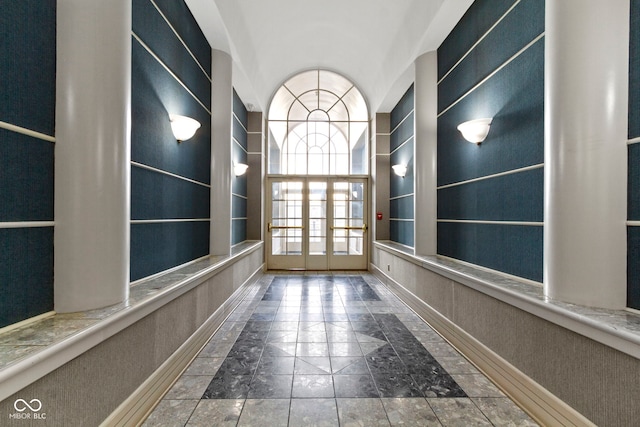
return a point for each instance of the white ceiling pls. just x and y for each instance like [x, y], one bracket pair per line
[371, 42]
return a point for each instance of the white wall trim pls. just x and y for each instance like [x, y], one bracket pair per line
[27, 224]
[401, 197]
[544, 407]
[28, 132]
[151, 168]
[633, 141]
[168, 220]
[495, 175]
[633, 223]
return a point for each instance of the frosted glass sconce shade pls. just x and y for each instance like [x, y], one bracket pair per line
[475, 130]
[400, 170]
[240, 169]
[183, 127]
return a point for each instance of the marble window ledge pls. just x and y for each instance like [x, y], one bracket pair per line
[32, 351]
[619, 329]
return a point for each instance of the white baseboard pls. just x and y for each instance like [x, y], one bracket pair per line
[543, 406]
[135, 409]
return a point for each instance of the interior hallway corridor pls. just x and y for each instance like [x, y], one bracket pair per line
[329, 350]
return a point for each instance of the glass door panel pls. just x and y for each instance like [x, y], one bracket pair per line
[317, 224]
[285, 228]
[348, 243]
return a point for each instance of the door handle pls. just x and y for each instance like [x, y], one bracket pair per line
[363, 228]
[283, 227]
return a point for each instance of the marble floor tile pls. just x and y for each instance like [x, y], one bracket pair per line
[330, 350]
[204, 366]
[170, 413]
[189, 387]
[313, 413]
[216, 413]
[270, 387]
[275, 366]
[457, 365]
[354, 386]
[256, 412]
[313, 386]
[503, 412]
[477, 385]
[361, 413]
[410, 412]
[458, 412]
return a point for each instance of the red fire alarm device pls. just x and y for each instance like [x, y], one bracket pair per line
[379, 215]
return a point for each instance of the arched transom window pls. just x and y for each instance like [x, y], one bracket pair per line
[318, 125]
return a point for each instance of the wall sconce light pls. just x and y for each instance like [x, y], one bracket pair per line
[475, 130]
[183, 127]
[400, 170]
[239, 169]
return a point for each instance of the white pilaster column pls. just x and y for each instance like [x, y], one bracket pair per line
[586, 93]
[221, 125]
[92, 159]
[426, 150]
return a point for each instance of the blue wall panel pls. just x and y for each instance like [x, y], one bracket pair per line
[239, 183]
[155, 32]
[402, 108]
[28, 66]
[400, 186]
[27, 100]
[26, 178]
[402, 133]
[159, 246]
[402, 232]
[154, 95]
[239, 207]
[401, 208]
[238, 231]
[512, 249]
[522, 25]
[633, 207]
[514, 97]
[160, 196]
[515, 197]
[634, 71]
[402, 152]
[240, 110]
[480, 17]
[185, 24]
[633, 267]
[239, 133]
[26, 273]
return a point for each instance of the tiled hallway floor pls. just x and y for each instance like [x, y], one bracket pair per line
[329, 350]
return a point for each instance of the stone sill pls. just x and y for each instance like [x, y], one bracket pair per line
[34, 350]
[619, 329]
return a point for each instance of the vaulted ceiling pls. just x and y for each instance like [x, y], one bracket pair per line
[371, 42]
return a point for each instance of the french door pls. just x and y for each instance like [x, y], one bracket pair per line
[317, 223]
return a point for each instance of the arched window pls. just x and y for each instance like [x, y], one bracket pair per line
[318, 125]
